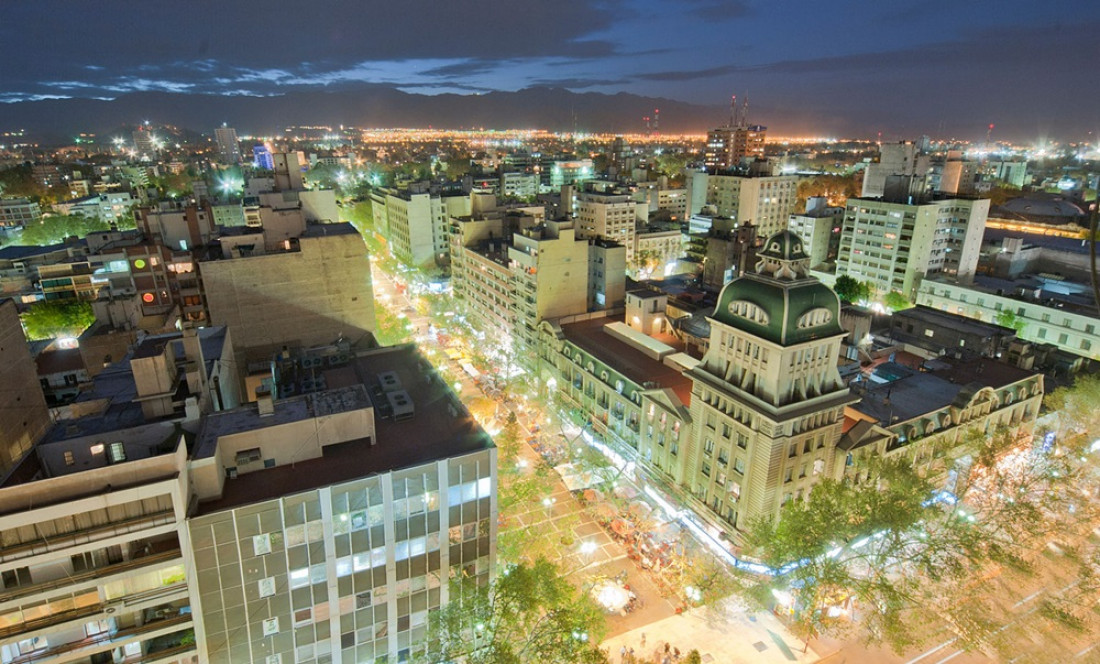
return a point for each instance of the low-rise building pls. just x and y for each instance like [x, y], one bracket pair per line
[1042, 309]
[19, 212]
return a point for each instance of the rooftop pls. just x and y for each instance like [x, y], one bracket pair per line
[293, 409]
[962, 324]
[440, 428]
[590, 336]
[897, 393]
[17, 252]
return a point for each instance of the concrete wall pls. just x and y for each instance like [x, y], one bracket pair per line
[24, 417]
[309, 297]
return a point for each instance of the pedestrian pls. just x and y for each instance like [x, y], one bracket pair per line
[643, 639]
[666, 647]
[631, 653]
[676, 654]
[622, 654]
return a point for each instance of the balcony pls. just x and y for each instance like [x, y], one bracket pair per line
[66, 540]
[91, 575]
[104, 642]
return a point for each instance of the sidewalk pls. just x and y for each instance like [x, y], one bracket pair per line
[734, 636]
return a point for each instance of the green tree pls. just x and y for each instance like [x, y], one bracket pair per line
[645, 262]
[672, 164]
[528, 614]
[895, 301]
[1008, 318]
[851, 290]
[57, 318]
[18, 182]
[907, 555]
[52, 230]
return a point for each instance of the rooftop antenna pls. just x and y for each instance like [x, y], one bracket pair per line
[733, 111]
[989, 135]
[656, 121]
[745, 111]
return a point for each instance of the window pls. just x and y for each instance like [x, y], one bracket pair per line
[789, 475]
[20, 576]
[303, 617]
[723, 457]
[261, 544]
[69, 460]
[706, 469]
[793, 452]
[739, 466]
[271, 626]
[116, 452]
[708, 447]
[267, 586]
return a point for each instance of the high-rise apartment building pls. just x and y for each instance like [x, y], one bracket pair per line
[767, 201]
[319, 527]
[229, 147]
[727, 146]
[414, 220]
[608, 214]
[308, 290]
[893, 246]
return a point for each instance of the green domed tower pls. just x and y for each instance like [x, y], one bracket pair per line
[768, 400]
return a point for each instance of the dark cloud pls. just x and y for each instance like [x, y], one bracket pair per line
[464, 68]
[689, 74]
[579, 83]
[721, 10]
[847, 61]
[267, 34]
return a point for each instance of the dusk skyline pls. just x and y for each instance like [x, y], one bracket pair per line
[851, 67]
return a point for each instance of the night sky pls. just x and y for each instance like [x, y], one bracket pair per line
[1032, 67]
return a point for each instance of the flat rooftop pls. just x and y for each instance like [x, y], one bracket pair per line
[440, 428]
[292, 409]
[638, 367]
[955, 321]
[906, 393]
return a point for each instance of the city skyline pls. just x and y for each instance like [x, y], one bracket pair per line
[856, 69]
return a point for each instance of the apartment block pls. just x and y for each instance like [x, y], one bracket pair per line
[898, 160]
[19, 212]
[727, 146]
[608, 214]
[894, 245]
[333, 543]
[819, 227]
[767, 201]
[414, 220]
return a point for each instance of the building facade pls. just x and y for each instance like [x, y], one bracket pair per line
[893, 246]
[767, 201]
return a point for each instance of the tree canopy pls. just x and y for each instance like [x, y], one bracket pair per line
[528, 614]
[851, 290]
[57, 318]
[53, 230]
[904, 554]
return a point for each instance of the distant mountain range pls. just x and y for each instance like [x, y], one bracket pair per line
[57, 120]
